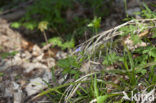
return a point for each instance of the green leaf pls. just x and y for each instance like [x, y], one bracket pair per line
[141, 70]
[68, 44]
[127, 30]
[55, 41]
[29, 25]
[90, 25]
[1, 74]
[8, 54]
[95, 23]
[102, 99]
[73, 71]
[95, 87]
[69, 62]
[112, 58]
[15, 25]
[136, 39]
[43, 25]
[154, 32]
[153, 52]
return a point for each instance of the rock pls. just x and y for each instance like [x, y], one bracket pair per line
[132, 11]
[26, 55]
[62, 80]
[36, 51]
[6, 63]
[39, 58]
[9, 39]
[51, 62]
[47, 76]
[61, 55]
[18, 96]
[35, 86]
[17, 93]
[31, 66]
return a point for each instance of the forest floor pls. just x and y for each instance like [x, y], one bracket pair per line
[26, 67]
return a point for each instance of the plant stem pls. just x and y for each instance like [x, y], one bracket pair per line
[45, 37]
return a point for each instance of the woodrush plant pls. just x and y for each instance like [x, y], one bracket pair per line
[147, 13]
[135, 69]
[111, 58]
[96, 85]
[132, 30]
[132, 66]
[43, 25]
[57, 41]
[70, 66]
[95, 24]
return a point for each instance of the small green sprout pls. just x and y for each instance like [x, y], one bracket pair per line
[43, 26]
[95, 24]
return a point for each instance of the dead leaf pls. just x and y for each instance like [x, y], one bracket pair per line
[85, 67]
[130, 44]
[26, 45]
[145, 33]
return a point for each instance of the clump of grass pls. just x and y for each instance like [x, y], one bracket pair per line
[132, 70]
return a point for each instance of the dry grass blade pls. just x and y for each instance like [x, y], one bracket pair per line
[90, 45]
[72, 89]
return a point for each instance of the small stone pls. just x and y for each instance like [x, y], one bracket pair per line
[61, 55]
[35, 86]
[36, 50]
[132, 11]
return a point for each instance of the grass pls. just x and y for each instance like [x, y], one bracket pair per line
[118, 68]
[94, 87]
[134, 71]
